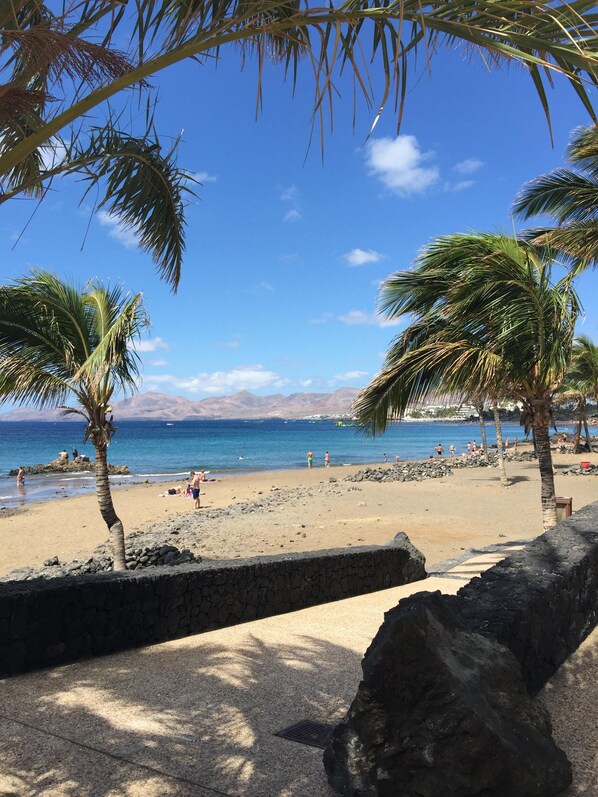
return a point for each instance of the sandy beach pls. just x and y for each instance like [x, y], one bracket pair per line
[302, 510]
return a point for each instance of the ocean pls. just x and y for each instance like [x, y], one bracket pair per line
[159, 451]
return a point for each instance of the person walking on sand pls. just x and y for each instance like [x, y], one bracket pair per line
[310, 459]
[327, 460]
[20, 476]
[195, 488]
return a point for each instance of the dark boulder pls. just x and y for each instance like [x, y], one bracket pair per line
[442, 711]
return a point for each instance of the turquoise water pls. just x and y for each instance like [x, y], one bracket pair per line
[156, 449]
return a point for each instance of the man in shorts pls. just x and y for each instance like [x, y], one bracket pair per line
[195, 479]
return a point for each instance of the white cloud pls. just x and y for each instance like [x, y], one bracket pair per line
[230, 344]
[289, 194]
[468, 166]
[52, 154]
[461, 185]
[354, 317]
[158, 363]
[248, 377]
[306, 382]
[202, 177]
[359, 257]
[292, 215]
[323, 319]
[399, 164]
[117, 230]
[151, 345]
[349, 376]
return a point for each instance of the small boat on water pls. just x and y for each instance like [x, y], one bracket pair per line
[170, 424]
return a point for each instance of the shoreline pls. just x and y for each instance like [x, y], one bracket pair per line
[274, 512]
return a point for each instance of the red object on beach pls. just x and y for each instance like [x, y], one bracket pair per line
[585, 465]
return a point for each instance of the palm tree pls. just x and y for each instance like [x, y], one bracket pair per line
[487, 316]
[570, 197]
[59, 343]
[60, 64]
[581, 383]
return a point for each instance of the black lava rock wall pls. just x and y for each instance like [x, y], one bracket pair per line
[44, 622]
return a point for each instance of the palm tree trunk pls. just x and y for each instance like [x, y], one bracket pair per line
[542, 435]
[480, 409]
[577, 431]
[501, 460]
[111, 519]
[587, 431]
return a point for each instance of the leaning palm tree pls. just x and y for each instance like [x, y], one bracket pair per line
[570, 197]
[58, 343]
[60, 68]
[488, 314]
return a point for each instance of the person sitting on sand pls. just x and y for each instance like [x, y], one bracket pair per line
[202, 476]
[195, 488]
[20, 476]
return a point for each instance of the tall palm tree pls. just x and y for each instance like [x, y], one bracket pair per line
[487, 314]
[570, 197]
[59, 63]
[58, 343]
[581, 383]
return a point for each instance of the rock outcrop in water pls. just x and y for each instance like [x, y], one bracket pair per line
[57, 466]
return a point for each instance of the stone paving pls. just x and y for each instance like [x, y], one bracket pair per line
[196, 717]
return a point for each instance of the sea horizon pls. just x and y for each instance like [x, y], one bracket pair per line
[159, 451]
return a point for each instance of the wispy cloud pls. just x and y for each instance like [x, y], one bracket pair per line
[229, 344]
[249, 377]
[354, 317]
[202, 177]
[399, 164]
[468, 166]
[151, 345]
[323, 319]
[292, 215]
[158, 363]
[359, 257]
[291, 195]
[462, 185]
[117, 229]
[265, 286]
[349, 376]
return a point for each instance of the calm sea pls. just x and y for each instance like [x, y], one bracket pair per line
[158, 450]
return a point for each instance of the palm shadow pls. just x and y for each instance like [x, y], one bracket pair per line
[189, 715]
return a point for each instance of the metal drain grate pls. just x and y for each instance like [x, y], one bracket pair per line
[314, 734]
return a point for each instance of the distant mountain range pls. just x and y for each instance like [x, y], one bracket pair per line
[242, 405]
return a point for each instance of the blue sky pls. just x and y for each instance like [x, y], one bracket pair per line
[285, 251]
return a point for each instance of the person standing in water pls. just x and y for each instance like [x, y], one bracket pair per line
[310, 459]
[20, 476]
[327, 460]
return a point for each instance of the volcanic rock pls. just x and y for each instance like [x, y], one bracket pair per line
[442, 712]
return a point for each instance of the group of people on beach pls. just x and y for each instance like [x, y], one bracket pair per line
[310, 459]
[472, 448]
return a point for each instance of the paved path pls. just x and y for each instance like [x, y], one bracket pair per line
[195, 717]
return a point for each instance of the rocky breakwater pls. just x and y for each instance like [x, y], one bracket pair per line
[422, 470]
[58, 466]
[136, 557]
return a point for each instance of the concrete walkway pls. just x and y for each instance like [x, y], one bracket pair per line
[196, 717]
